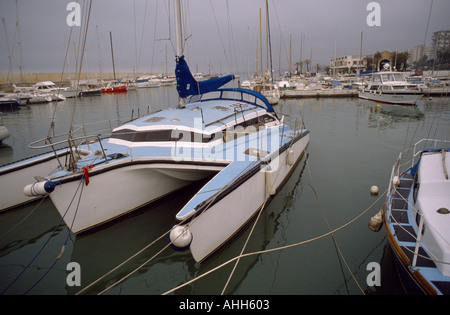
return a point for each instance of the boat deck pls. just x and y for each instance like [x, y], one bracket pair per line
[400, 224]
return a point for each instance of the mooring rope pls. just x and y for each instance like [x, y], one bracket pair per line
[278, 248]
[65, 242]
[332, 235]
[210, 202]
[149, 245]
[250, 234]
[45, 244]
[25, 218]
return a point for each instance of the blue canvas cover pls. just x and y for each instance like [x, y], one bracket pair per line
[187, 85]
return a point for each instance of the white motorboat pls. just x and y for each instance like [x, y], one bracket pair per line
[167, 81]
[39, 98]
[231, 135]
[147, 81]
[416, 217]
[56, 93]
[391, 88]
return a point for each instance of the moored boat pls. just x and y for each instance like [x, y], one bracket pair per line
[49, 88]
[231, 135]
[147, 81]
[416, 216]
[114, 87]
[39, 98]
[391, 88]
[16, 175]
[9, 103]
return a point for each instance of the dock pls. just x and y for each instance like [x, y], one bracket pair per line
[336, 93]
[319, 93]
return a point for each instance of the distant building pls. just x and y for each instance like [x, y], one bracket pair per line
[347, 64]
[416, 53]
[440, 42]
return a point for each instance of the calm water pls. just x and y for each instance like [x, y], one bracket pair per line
[353, 146]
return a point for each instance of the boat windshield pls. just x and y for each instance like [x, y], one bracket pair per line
[393, 77]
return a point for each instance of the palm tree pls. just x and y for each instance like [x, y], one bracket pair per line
[377, 58]
[300, 63]
[402, 57]
[307, 62]
[369, 62]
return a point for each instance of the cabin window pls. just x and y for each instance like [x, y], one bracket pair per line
[376, 78]
[416, 187]
[386, 77]
[399, 77]
[161, 136]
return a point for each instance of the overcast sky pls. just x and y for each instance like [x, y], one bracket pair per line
[222, 33]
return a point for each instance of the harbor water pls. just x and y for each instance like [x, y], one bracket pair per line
[313, 234]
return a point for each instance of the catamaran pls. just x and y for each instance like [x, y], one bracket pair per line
[232, 136]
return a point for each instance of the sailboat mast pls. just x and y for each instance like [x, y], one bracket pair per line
[269, 43]
[19, 44]
[179, 41]
[178, 30]
[360, 54]
[112, 54]
[260, 44]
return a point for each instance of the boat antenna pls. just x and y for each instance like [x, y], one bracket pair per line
[179, 41]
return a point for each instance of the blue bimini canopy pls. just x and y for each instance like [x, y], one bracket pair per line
[187, 85]
[240, 95]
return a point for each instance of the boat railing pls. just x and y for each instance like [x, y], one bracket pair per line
[240, 95]
[427, 144]
[418, 148]
[295, 122]
[401, 165]
[72, 140]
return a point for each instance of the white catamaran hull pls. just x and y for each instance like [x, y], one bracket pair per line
[15, 176]
[107, 195]
[214, 226]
